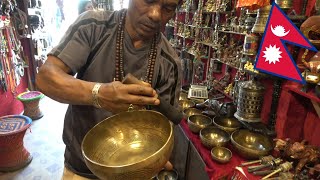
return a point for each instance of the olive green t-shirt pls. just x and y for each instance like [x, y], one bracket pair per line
[88, 49]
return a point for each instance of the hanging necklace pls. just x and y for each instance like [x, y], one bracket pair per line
[119, 70]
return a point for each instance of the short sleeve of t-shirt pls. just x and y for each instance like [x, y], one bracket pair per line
[80, 38]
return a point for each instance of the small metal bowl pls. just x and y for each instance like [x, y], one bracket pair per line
[198, 122]
[184, 104]
[212, 136]
[191, 111]
[251, 145]
[221, 154]
[183, 96]
[167, 175]
[228, 124]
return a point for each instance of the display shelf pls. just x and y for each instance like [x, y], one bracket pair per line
[192, 53]
[232, 32]
[222, 61]
[191, 38]
[198, 27]
[208, 44]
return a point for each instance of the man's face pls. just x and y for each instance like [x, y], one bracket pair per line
[148, 16]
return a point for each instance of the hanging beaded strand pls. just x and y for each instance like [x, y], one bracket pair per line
[119, 69]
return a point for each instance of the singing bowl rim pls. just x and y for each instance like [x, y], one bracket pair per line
[189, 102]
[212, 129]
[216, 121]
[199, 115]
[221, 160]
[170, 137]
[198, 112]
[244, 151]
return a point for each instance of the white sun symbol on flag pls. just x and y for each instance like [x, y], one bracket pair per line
[272, 54]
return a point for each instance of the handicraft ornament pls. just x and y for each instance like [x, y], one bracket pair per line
[249, 102]
[261, 20]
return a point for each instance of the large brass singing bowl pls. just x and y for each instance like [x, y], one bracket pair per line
[129, 145]
[214, 137]
[228, 124]
[197, 122]
[251, 145]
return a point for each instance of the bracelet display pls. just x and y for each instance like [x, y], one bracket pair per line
[95, 91]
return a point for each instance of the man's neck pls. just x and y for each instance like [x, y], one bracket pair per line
[136, 39]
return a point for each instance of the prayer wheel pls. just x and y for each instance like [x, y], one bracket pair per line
[250, 100]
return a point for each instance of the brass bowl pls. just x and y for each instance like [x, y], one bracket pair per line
[228, 124]
[184, 104]
[134, 145]
[198, 122]
[183, 96]
[191, 111]
[221, 154]
[212, 137]
[251, 145]
[167, 175]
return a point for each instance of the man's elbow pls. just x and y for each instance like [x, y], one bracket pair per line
[40, 79]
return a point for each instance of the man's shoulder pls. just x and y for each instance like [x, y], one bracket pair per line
[99, 16]
[167, 50]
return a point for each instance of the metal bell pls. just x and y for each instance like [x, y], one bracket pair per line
[261, 20]
[284, 4]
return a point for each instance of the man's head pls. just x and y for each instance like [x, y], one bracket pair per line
[147, 17]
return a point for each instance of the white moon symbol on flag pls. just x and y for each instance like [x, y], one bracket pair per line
[279, 31]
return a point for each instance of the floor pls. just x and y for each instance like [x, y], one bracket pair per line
[44, 141]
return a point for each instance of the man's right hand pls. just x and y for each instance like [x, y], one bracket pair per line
[117, 97]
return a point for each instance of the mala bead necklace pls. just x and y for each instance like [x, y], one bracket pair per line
[119, 70]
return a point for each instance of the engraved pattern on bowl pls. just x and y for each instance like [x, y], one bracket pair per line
[212, 137]
[198, 122]
[129, 145]
[251, 145]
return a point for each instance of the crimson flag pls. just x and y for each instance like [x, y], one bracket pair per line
[273, 56]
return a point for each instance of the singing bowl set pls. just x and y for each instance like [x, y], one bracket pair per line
[251, 145]
[221, 154]
[129, 145]
[212, 137]
[198, 122]
[191, 111]
[228, 124]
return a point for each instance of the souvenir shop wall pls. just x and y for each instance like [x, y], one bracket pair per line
[18, 64]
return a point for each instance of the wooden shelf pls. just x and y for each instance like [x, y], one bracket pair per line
[227, 64]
